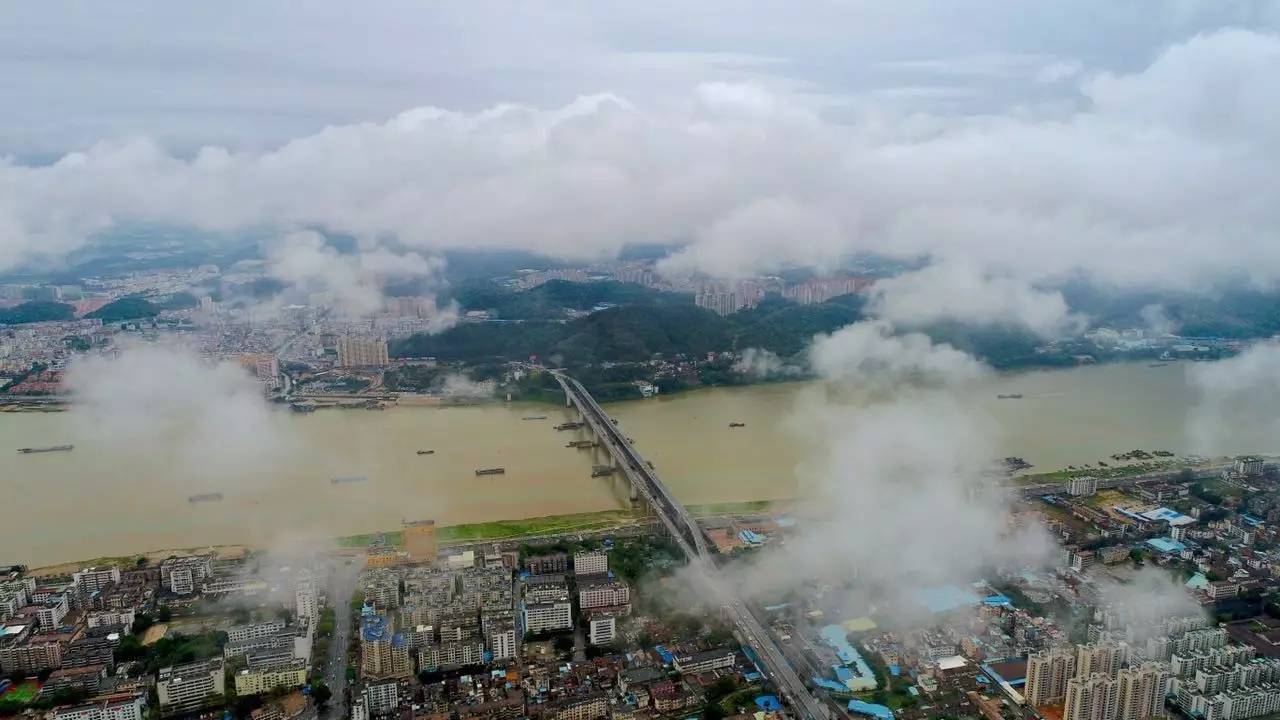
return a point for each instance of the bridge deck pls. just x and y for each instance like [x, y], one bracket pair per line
[684, 529]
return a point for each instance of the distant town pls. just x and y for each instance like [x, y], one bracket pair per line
[318, 350]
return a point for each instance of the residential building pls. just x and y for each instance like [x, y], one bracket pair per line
[706, 660]
[1114, 554]
[93, 579]
[545, 592]
[1140, 691]
[51, 610]
[593, 706]
[381, 698]
[183, 688]
[1100, 657]
[602, 594]
[88, 650]
[1221, 589]
[502, 640]
[548, 564]
[24, 652]
[595, 562]
[1082, 486]
[547, 616]
[451, 654]
[1249, 466]
[362, 352]
[1091, 697]
[122, 618]
[306, 599]
[603, 628]
[87, 680]
[253, 631]
[383, 654]
[182, 575]
[1047, 675]
[129, 708]
[287, 675]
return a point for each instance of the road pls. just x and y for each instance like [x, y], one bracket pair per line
[343, 577]
[688, 536]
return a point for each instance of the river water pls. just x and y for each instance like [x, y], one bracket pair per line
[113, 498]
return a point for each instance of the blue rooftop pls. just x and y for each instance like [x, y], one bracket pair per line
[870, 710]
[944, 598]
[768, 703]
[1166, 545]
[373, 628]
[829, 684]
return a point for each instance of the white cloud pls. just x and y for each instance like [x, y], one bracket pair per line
[960, 292]
[894, 450]
[1237, 401]
[763, 364]
[870, 356]
[212, 416]
[351, 281]
[1149, 183]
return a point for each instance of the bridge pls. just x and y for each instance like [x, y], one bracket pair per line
[684, 530]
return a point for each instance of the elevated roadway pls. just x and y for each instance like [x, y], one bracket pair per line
[684, 530]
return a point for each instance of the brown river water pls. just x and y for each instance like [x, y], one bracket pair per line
[112, 498]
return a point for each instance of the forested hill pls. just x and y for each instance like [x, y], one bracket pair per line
[552, 299]
[636, 332]
[36, 311]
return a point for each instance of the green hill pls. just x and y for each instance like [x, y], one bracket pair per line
[636, 332]
[36, 311]
[129, 308]
[550, 300]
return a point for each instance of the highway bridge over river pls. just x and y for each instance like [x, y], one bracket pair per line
[684, 530]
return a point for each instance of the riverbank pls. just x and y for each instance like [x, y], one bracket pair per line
[446, 536]
[502, 530]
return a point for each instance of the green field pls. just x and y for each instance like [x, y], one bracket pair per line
[508, 529]
[23, 692]
[549, 525]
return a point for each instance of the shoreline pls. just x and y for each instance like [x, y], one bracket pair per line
[39, 404]
[446, 535]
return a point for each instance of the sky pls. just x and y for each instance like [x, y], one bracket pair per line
[1014, 145]
[252, 75]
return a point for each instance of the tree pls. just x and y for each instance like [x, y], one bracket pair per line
[141, 622]
[165, 615]
[320, 692]
[562, 643]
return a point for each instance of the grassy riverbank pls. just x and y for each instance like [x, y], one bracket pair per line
[549, 525]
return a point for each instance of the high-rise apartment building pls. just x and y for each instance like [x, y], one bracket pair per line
[1091, 697]
[1047, 674]
[362, 352]
[1140, 691]
[306, 599]
[1104, 657]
